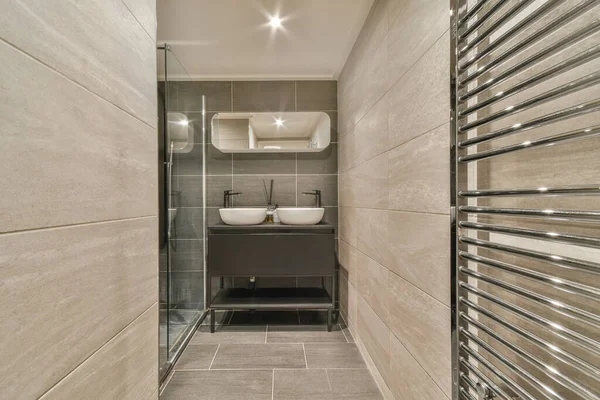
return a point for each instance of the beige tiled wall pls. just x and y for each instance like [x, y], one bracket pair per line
[78, 211]
[394, 174]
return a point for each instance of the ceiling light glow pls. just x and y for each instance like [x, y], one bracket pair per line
[275, 22]
[279, 122]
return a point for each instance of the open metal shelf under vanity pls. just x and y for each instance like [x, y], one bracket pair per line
[272, 251]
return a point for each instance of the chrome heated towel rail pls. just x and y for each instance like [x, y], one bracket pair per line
[525, 151]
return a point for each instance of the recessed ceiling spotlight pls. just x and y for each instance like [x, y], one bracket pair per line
[275, 22]
[279, 122]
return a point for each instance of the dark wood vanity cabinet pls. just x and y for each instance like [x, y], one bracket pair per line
[271, 250]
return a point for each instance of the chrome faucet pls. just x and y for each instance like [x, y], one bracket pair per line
[227, 198]
[317, 194]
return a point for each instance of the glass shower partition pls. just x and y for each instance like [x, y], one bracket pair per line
[182, 211]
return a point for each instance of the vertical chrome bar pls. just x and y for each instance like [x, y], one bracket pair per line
[455, 10]
[204, 146]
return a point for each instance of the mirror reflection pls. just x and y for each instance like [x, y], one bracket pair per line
[271, 132]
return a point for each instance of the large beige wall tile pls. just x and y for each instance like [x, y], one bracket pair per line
[410, 381]
[420, 23]
[369, 183]
[375, 335]
[366, 90]
[67, 291]
[422, 324]
[68, 156]
[346, 146]
[420, 173]
[352, 306]
[373, 285]
[420, 101]
[99, 44]
[374, 30]
[348, 225]
[372, 234]
[371, 134]
[145, 12]
[348, 260]
[124, 368]
[420, 251]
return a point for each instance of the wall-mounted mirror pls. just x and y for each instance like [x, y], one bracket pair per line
[271, 132]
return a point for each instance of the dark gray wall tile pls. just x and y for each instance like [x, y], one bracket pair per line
[188, 163]
[186, 255]
[331, 216]
[264, 163]
[327, 184]
[187, 191]
[316, 95]
[217, 162]
[251, 186]
[188, 224]
[215, 186]
[187, 289]
[218, 95]
[324, 162]
[264, 96]
[212, 216]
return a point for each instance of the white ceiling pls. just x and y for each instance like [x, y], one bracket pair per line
[232, 40]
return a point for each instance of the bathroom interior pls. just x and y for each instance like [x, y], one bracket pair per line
[300, 199]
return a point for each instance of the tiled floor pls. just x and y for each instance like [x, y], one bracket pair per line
[271, 356]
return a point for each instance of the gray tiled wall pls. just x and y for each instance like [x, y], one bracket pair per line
[292, 173]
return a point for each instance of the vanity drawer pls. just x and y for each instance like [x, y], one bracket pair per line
[271, 254]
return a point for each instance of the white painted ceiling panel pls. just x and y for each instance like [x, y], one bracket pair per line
[232, 39]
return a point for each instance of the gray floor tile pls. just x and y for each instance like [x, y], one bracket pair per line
[221, 385]
[301, 384]
[259, 356]
[356, 384]
[304, 334]
[197, 356]
[333, 355]
[228, 334]
[321, 384]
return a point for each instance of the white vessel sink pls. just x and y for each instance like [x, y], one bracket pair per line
[243, 216]
[300, 216]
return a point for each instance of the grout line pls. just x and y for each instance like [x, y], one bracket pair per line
[100, 348]
[391, 86]
[328, 381]
[399, 276]
[226, 175]
[142, 26]
[267, 369]
[108, 221]
[305, 359]
[215, 356]
[392, 210]
[273, 385]
[392, 148]
[80, 85]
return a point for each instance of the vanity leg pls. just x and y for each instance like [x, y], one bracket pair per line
[329, 319]
[212, 321]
